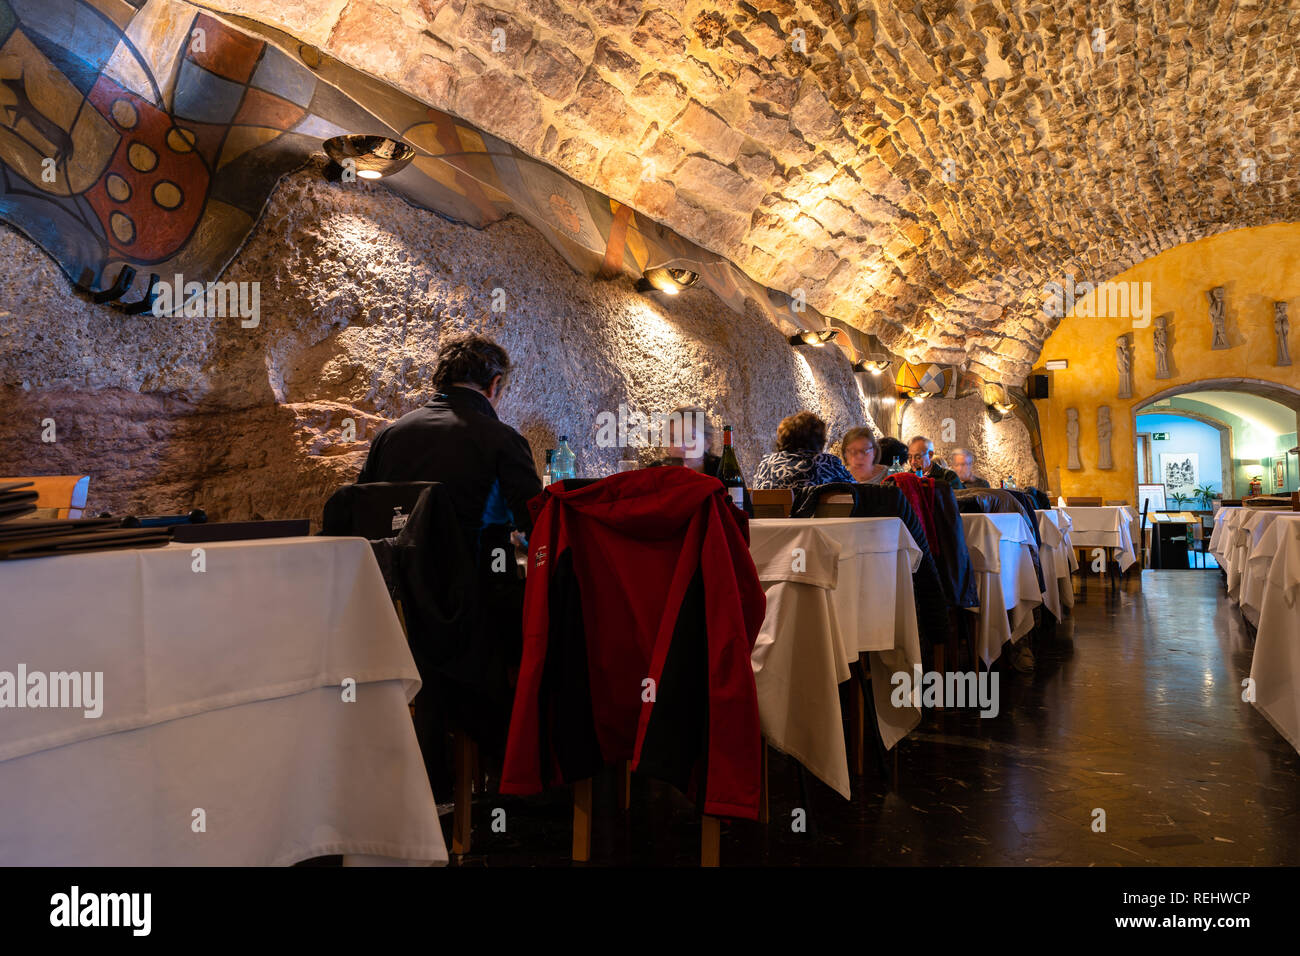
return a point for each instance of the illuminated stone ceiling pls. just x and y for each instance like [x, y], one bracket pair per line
[918, 172]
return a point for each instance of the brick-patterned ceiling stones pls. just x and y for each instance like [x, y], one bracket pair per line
[918, 171]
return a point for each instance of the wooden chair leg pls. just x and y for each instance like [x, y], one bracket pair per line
[763, 809]
[710, 841]
[582, 821]
[857, 721]
[463, 784]
[940, 669]
[625, 786]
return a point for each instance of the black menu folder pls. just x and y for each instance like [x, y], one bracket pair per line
[17, 498]
[44, 545]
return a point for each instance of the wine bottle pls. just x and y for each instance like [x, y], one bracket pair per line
[729, 470]
[548, 475]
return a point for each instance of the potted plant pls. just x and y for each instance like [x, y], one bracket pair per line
[1179, 498]
[1206, 494]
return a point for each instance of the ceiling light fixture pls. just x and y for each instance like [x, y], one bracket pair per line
[373, 157]
[873, 365]
[817, 337]
[668, 281]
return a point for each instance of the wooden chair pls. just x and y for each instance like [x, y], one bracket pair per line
[710, 827]
[833, 506]
[772, 502]
[67, 493]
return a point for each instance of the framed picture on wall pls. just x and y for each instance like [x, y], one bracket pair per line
[1279, 474]
[1180, 471]
[1151, 498]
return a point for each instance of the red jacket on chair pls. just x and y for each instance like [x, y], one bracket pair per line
[641, 609]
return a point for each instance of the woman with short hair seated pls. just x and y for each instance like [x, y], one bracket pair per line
[861, 453]
[799, 460]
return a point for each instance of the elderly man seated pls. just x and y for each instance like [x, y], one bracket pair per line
[963, 462]
[920, 455]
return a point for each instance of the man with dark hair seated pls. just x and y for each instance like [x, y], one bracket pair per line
[487, 470]
[457, 439]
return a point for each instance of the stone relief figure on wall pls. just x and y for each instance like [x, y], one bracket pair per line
[1218, 318]
[1103, 438]
[1282, 326]
[1162, 346]
[1072, 439]
[1124, 364]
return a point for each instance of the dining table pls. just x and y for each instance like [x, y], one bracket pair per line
[1056, 554]
[1002, 557]
[1109, 528]
[837, 589]
[1273, 586]
[235, 703]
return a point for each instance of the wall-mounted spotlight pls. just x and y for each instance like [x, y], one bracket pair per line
[1004, 408]
[918, 397]
[669, 281]
[374, 157]
[873, 366]
[819, 337]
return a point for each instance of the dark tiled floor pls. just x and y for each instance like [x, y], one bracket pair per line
[1135, 709]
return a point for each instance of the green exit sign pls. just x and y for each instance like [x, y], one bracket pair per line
[1160, 436]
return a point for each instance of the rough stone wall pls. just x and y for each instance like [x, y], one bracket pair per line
[1000, 449]
[356, 290]
[919, 170]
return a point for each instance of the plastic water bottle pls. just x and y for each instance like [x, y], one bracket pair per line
[562, 466]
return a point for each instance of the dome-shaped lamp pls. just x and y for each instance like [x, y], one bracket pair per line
[374, 157]
[668, 281]
[817, 337]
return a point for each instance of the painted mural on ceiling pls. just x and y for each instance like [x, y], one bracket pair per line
[151, 134]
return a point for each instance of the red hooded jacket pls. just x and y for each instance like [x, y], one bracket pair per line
[642, 575]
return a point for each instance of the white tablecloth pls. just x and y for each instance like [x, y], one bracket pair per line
[1256, 544]
[818, 621]
[1110, 527]
[222, 691]
[1275, 667]
[1001, 554]
[1058, 560]
[1217, 539]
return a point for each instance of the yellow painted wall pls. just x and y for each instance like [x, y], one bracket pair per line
[1257, 267]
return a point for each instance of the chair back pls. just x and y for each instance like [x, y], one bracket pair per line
[1076, 502]
[376, 510]
[67, 493]
[772, 502]
[834, 506]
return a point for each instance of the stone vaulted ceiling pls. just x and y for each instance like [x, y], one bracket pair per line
[920, 171]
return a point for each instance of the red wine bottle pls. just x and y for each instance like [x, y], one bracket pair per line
[729, 470]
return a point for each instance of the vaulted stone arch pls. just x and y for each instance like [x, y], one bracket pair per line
[918, 171]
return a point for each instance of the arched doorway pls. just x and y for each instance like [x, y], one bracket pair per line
[1258, 422]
